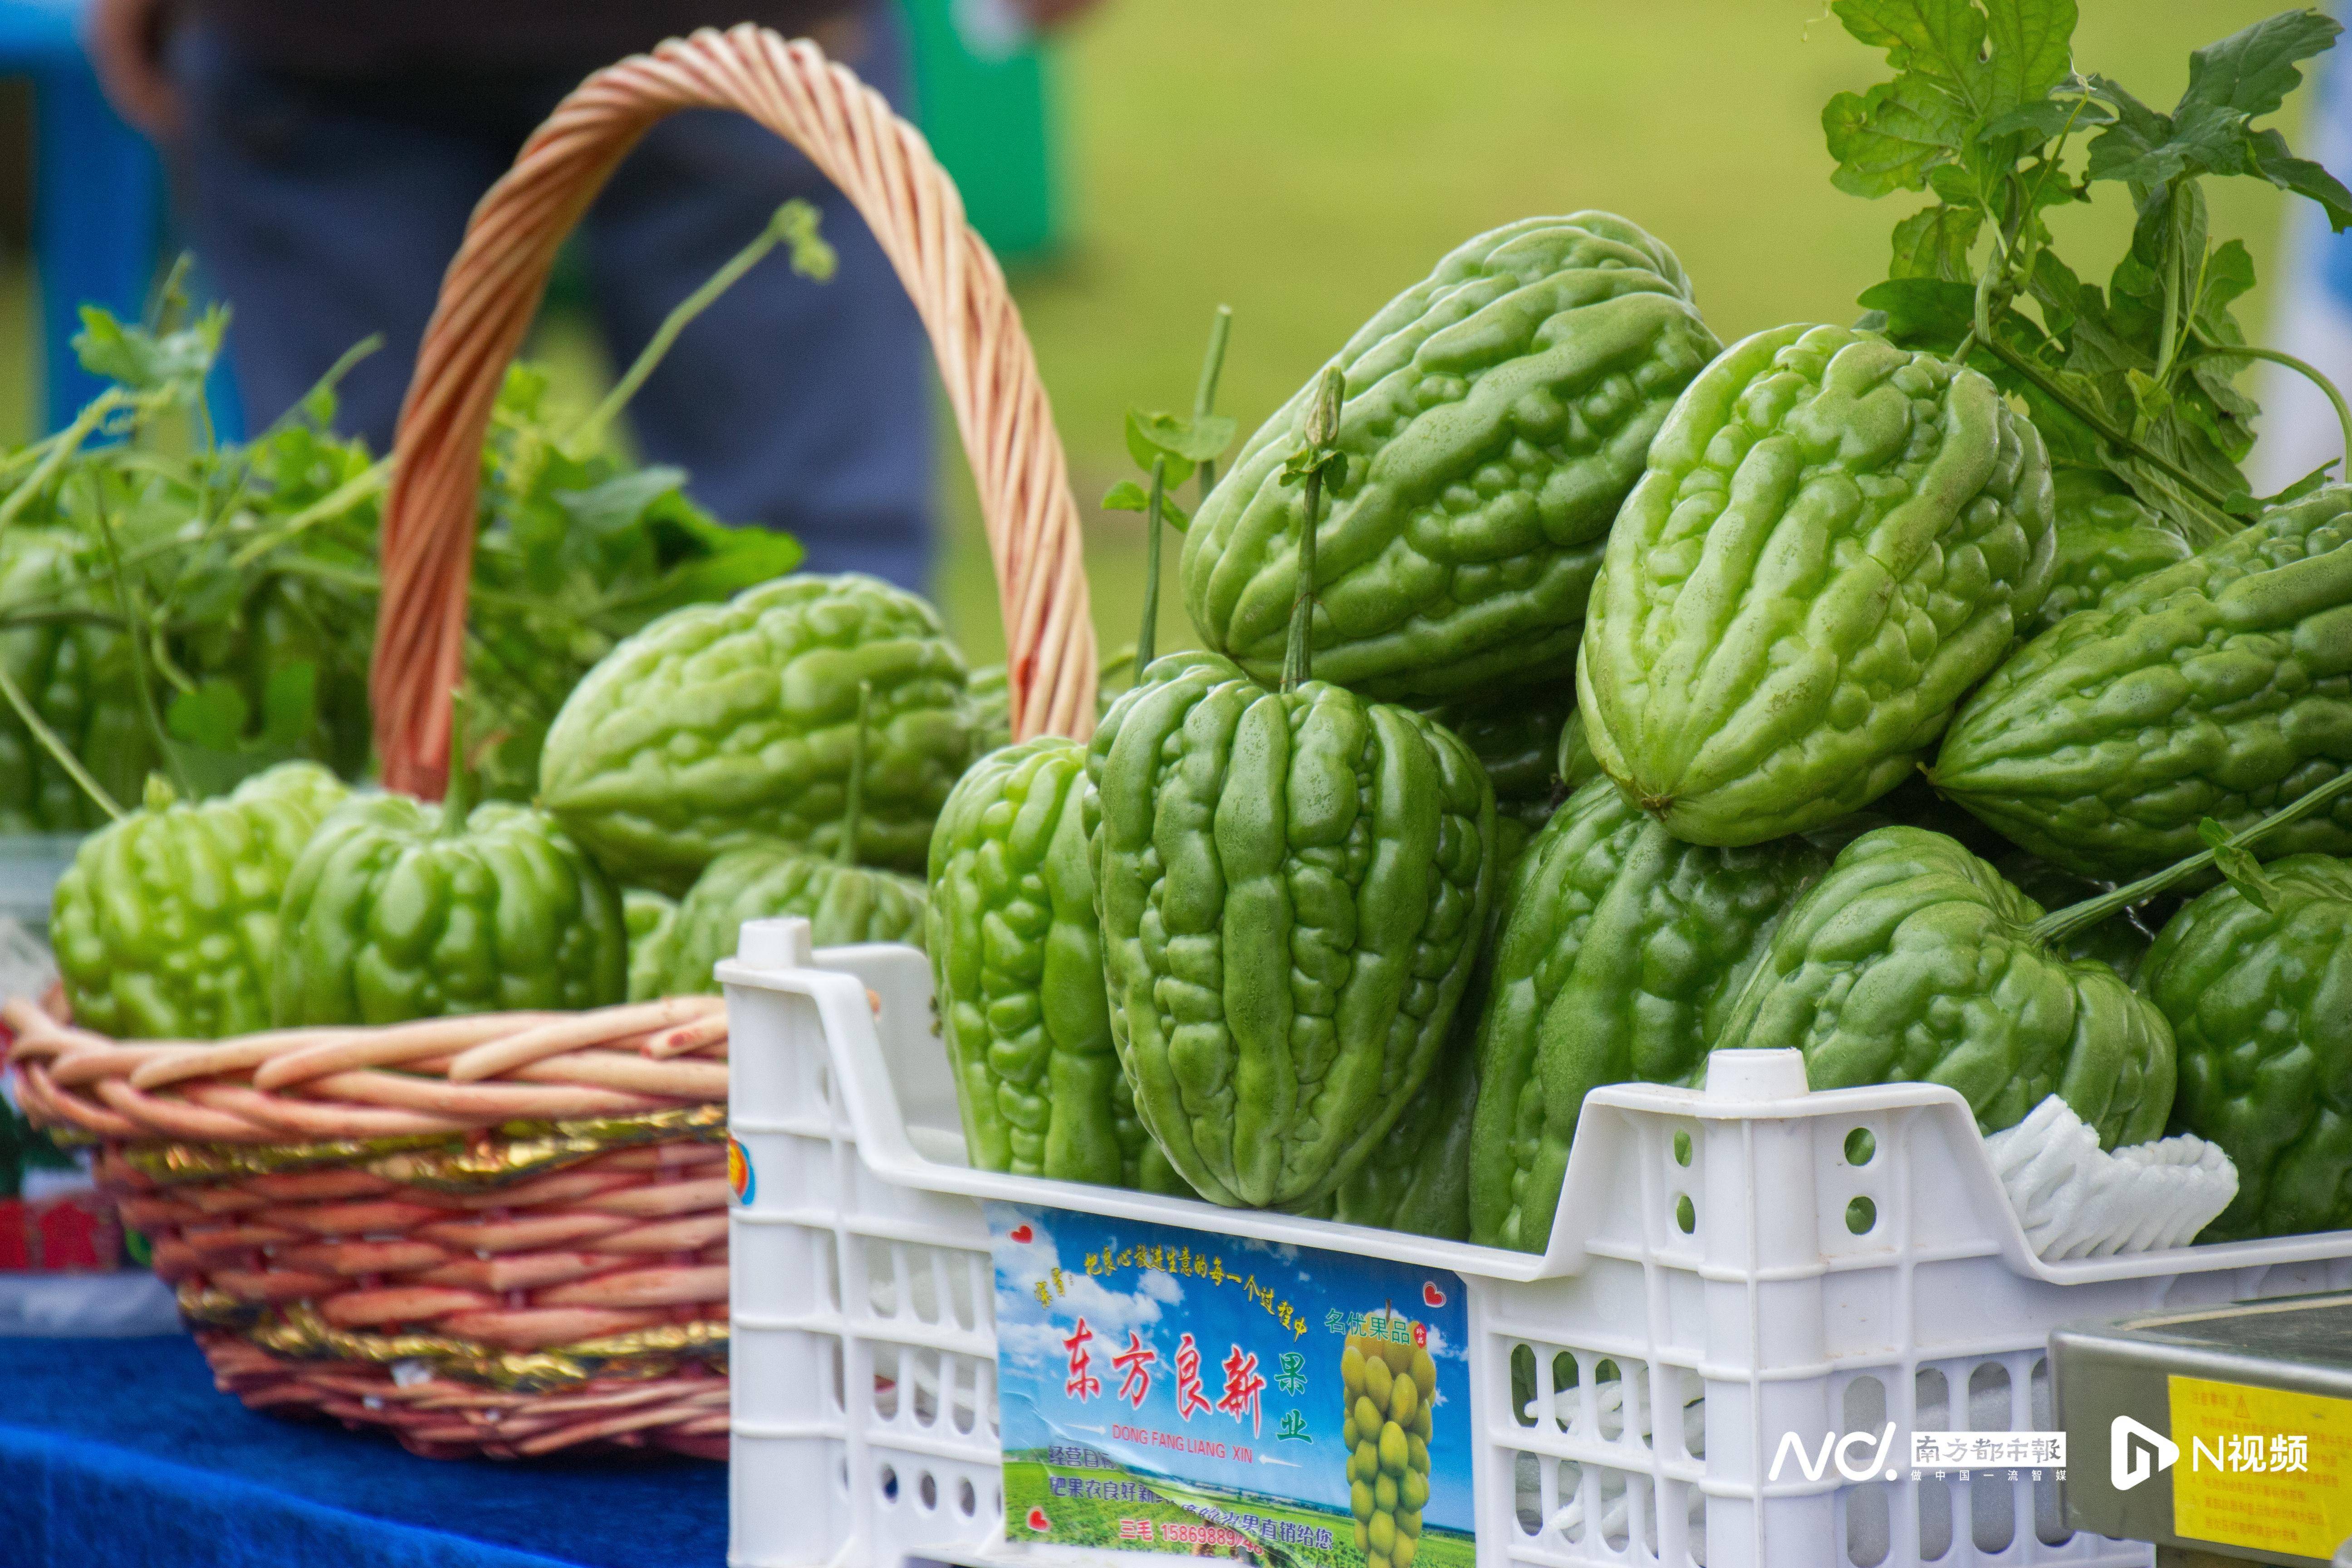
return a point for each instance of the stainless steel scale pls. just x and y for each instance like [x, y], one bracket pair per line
[2221, 1434]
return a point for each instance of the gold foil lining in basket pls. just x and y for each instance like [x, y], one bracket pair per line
[445, 1162]
[297, 1333]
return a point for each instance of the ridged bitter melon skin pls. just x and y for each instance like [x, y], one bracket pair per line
[165, 926]
[1620, 949]
[651, 921]
[1418, 1179]
[1292, 886]
[2261, 1007]
[1497, 413]
[76, 677]
[1017, 963]
[2106, 538]
[2221, 687]
[1913, 961]
[1835, 539]
[720, 726]
[845, 905]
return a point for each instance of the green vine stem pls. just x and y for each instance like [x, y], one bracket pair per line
[1204, 398]
[67, 443]
[12, 617]
[372, 480]
[793, 224]
[2087, 414]
[326, 383]
[1147, 635]
[2207, 349]
[2060, 924]
[1321, 454]
[58, 750]
[135, 635]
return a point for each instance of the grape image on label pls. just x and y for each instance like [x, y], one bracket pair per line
[1388, 1388]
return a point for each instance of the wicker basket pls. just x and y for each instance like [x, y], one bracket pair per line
[506, 1234]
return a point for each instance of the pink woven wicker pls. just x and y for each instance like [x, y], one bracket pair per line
[501, 1234]
[506, 1234]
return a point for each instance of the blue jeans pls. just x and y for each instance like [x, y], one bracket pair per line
[326, 212]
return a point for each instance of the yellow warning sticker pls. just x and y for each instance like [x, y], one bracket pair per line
[2264, 1467]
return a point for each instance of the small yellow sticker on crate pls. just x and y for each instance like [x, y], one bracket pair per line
[2262, 1468]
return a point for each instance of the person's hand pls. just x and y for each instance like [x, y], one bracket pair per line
[1045, 13]
[126, 39]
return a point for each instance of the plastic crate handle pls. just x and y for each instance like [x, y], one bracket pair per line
[492, 290]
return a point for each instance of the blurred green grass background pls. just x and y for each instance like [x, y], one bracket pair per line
[1303, 161]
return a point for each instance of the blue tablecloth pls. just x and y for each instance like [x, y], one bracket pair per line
[120, 1453]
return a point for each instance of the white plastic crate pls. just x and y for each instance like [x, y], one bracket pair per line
[1803, 1263]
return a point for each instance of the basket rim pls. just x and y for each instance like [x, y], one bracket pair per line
[428, 1077]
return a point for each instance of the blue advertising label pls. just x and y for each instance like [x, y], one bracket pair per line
[1177, 1390]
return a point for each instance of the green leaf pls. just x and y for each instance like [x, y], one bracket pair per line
[2273, 162]
[2171, 230]
[2211, 131]
[2301, 487]
[209, 593]
[2056, 293]
[2252, 71]
[1934, 242]
[2151, 400]
[1331, 463]
[134, 357]
[729, 560]
[1992, 55]
[1208, 436]
[2229, 274]
[1194, 440]
[2047, 120]
[2031, 44]
[2253, 506]
[2188, 512]
[2128, 149]
[2109, 362]
[2241, 868]
[1888, 139]
[1128, 496]
[1962, 64]
[1923, 312]
[623, 500]
[212, 716]
[1154, 437]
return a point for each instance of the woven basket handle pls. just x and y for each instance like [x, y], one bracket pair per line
[492, 290]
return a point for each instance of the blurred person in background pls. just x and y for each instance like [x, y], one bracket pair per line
[326, 153]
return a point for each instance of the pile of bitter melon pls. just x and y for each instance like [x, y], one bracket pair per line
[1576, 695]
[1818, 666]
